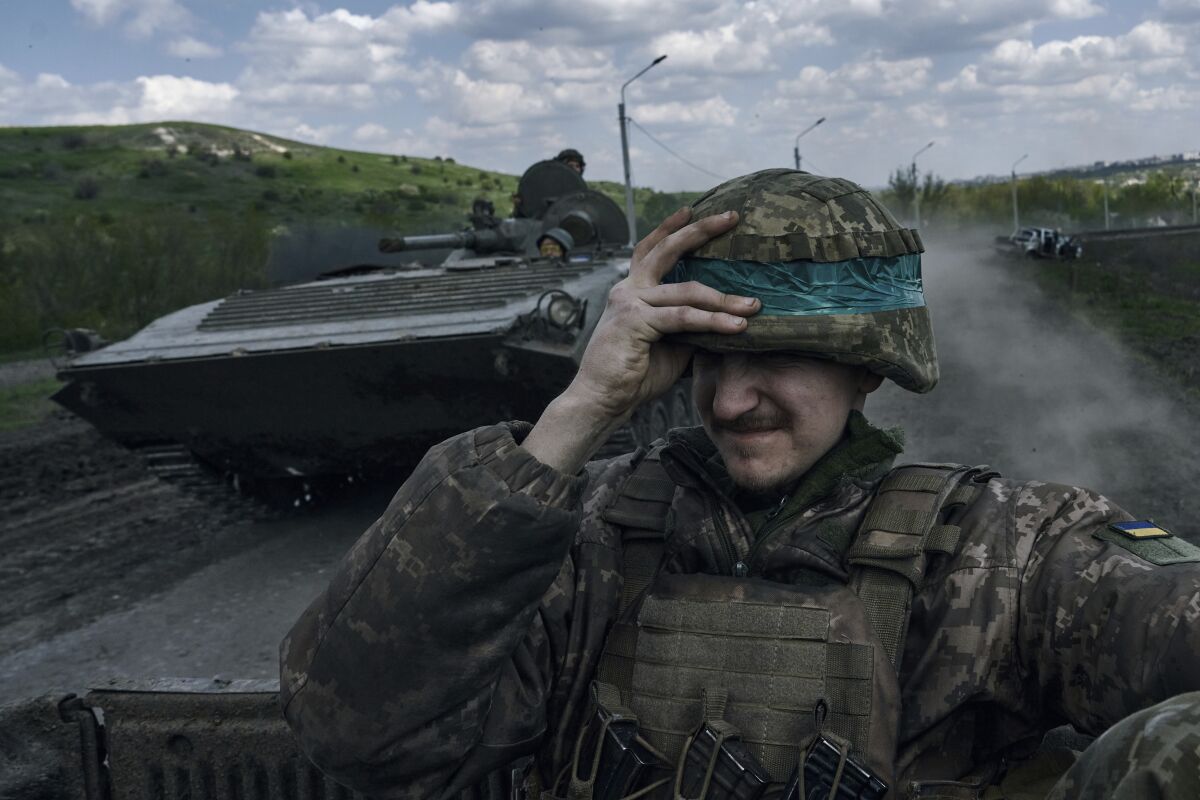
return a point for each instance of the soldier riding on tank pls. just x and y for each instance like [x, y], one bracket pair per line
[765, 604]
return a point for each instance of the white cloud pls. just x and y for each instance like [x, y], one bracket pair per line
[714, 111]
[143, 18]
[310, 95]
[335, 59]
[861, 79]
[524, 61]
[188, 47]
[1150, 46]
[448, 130]
[370, 132]
[716, 50]
[172, 97]
[319, 134]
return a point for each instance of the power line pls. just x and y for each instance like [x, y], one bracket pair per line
[672, 152]
[818, 170]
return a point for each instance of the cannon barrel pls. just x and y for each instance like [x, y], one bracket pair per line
[429, 242]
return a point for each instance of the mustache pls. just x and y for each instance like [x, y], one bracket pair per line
[753, 422]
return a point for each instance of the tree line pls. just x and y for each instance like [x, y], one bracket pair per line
[1162, 198]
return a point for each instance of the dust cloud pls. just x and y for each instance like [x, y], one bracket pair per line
[1038, 394]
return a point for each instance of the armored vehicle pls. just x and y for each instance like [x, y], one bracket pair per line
[358, 372]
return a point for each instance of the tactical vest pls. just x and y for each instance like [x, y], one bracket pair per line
[786, 659]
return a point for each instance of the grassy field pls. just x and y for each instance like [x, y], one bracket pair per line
[1153, 308]
[27, 403]
[110, 227]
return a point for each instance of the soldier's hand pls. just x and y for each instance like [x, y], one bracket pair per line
[627, 360]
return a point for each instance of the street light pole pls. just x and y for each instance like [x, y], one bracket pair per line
[624, 121]
[916, 188]
[1106, 223]
[1016, 213]
[796, 146]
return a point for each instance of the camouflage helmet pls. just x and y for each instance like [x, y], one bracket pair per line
[837, 275]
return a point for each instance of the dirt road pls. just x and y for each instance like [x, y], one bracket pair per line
[107, 572]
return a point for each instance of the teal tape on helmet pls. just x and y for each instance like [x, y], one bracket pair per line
[806, 288]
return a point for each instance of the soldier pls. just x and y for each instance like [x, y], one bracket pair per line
[572, 158]
[761, 603]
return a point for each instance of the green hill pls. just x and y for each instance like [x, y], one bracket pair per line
[109, 227]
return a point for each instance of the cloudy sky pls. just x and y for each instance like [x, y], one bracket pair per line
[502, 83]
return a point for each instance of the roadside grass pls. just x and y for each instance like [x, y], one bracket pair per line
[1161, 327]
[22, 355]
[26, 404]
[1121, 299]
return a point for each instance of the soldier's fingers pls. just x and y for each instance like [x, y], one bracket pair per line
[686, 319]
[697, 295]
[659, 261]
[664, 229]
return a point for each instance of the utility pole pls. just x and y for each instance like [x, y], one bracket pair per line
[1106, 204]
[631, 216]
[916, 187]
[1195, 183]
[796, 146]
[1016, 213]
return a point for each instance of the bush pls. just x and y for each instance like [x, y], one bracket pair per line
[74, 141]
[172, 150]
[116, 275]
[287, 154]
[152, 168]
[395, 160]
[416, 204]
[209, 157]
[270, 196]
[354, 168]
[415, 169]
[265, 171]
[88, 188]
[341, 159]
[240, 155]
[52, 170]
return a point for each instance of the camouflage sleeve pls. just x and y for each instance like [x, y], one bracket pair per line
[1103, 631]
[427, 661]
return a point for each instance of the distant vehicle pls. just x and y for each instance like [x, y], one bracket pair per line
[358, 373]
[1040, 243]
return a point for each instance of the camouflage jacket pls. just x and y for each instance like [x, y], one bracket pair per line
[462, 630]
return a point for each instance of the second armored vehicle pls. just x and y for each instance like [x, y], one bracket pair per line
[1040, 243]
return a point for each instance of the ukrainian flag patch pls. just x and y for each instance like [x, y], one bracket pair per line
[1140, 529]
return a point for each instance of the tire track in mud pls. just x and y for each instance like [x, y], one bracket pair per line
[1039, 394]
[85, 530]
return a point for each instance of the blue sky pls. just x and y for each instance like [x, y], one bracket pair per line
[502, 83]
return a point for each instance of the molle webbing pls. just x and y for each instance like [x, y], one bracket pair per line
[643, 511]
[774, 657]
[901, 526]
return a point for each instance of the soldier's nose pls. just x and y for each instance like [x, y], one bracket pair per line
[734, 392]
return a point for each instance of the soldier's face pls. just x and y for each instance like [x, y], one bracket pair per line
[772, 415]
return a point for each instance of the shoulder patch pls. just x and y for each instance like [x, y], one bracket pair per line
[1150, 542]
[1140, 529]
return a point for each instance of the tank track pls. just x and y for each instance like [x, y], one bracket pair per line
[176, 465]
